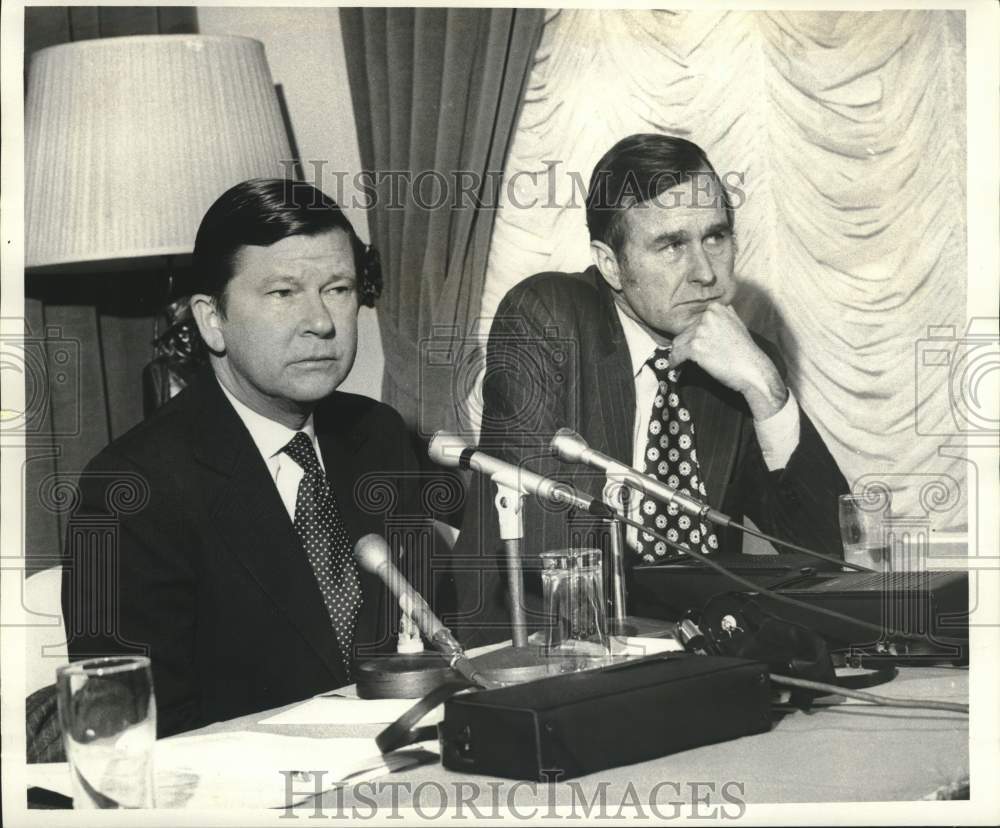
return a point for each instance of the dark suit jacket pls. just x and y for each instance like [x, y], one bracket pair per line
[557, 356]
[210, 576]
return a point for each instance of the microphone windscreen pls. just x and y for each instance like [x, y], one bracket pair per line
[568, 445]
[446, 449]
[372, 553]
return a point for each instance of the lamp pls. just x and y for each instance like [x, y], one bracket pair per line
[129, 140]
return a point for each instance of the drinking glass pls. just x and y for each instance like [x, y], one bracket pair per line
[864, 532]
[573, 595]
[107, 712]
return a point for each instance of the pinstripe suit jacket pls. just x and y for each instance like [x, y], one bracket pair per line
[557, 357]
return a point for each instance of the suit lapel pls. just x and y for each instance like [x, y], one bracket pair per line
[614, 380]
[717, 429]
[254, 526]
[616, 388]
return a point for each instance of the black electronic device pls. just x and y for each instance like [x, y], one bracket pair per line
[578, 723]
[923, 616]
[671, 590]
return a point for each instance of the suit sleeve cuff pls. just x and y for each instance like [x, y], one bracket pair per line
[778, 435]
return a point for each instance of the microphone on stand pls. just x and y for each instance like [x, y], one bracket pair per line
[451, 450]
[572, 448]
[372, 555]
[512, 482]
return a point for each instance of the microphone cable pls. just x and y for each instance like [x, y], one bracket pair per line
[742, 527]
[871, 698]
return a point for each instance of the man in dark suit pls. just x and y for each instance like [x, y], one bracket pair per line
[643, 355]
[238, 502]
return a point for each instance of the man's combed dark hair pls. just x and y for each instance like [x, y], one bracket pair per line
[637, 169]
[263, 211]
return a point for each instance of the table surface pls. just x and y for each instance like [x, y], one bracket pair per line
[841, 751]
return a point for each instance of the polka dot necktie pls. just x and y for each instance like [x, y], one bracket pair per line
[671, 457]
[326, 543]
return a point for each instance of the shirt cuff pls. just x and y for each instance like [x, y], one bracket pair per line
[778, 435]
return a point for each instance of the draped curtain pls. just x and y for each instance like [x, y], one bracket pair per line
[844, 136]
[436, 94]
[87, 338]
[51, 25]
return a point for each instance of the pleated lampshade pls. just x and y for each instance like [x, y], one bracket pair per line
[128, 140]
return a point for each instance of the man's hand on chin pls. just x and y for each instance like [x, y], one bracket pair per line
[720, 343]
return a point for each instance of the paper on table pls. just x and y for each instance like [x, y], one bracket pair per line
[247, 767]
[346, 711]
[639, 646]
[52, 776]
[242, 769]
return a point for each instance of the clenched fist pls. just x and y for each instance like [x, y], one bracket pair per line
[720, 343]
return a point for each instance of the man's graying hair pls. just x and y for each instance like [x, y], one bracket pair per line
[637, 169]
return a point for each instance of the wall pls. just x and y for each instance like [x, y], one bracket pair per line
[306, 55]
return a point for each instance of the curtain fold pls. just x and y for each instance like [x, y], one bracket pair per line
[436, 97]
[52, 25]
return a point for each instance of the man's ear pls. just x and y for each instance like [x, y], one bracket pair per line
[208, 318]
[607, 262]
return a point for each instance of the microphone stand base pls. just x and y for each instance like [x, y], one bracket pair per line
[515, 665]
[646, 627]
[401, 676]
[622, 628]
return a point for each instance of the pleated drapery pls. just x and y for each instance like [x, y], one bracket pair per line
[436, 95]
[845, 135]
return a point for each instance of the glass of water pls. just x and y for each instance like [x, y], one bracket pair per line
[573, 593]
[864, 531]
[107, 712]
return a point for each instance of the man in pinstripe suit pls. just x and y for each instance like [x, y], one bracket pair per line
[581, 350]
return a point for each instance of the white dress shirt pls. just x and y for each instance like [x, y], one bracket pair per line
[777, 436]
[271, 437]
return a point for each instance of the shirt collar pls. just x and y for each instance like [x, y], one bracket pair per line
[268, 435]
[641, 344]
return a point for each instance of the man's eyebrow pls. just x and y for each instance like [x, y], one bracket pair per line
[719, 228]
[671, 237]
[282, 276]
[291, 276]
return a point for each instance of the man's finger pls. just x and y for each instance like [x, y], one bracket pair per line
[681, 350]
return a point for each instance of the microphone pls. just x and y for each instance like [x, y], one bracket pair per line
[451, 450]
[572, 448]
[372, 555]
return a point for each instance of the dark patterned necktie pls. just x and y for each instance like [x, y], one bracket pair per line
[671, 457]
[324, 538]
